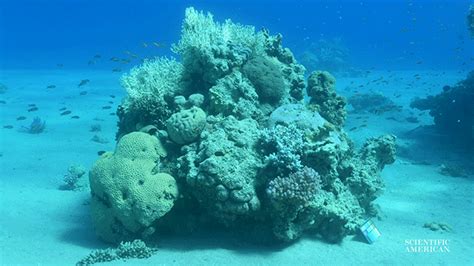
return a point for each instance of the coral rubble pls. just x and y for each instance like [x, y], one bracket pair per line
[224, 137]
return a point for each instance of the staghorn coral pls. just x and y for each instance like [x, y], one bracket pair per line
[248, 154]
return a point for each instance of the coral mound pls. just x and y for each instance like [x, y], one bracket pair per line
[230, 124]
[128, 194]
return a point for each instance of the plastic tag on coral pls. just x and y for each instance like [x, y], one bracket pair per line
[370, 232]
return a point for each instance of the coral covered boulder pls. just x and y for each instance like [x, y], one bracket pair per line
[128, 194]
[321, 89]
[248, 153]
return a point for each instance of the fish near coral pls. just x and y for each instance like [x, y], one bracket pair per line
[83, 82]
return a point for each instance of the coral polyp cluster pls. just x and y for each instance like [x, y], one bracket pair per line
[234, 144]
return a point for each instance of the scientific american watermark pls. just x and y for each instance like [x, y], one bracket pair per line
[427, 245]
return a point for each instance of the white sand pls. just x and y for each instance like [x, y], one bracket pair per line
[40, 224]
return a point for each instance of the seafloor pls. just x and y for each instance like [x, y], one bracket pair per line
[41, 224]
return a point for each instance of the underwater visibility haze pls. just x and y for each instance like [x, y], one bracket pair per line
[237, 132]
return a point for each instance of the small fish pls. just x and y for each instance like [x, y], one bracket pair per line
[145, 45]
[125, 61]
[159, 45]
[106, 107]
[62, 109]
[352, 129]
[31, 105]
[116, 70]
[91, 62]
[83, 82]
[100, 153]
[51, 87]
[59, 65]
[2, 102]
[20, 118]
[8, 126]
[82, 93]
[75, 117]
[112, 96]
[97, 56]
[111, 113]
[33, 109]
[419, 62]
[66, 112]
[115, 59]
[111, 102]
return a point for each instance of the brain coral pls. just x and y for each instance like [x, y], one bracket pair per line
[185, 126]
[128, 194]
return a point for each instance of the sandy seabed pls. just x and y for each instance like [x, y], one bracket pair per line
[43, 225]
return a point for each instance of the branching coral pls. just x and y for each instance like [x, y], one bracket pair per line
[282, 146]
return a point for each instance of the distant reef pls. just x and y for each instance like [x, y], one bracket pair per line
[223, 138]
[453, 110]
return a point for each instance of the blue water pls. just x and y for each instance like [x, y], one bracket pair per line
[58, 67]
[386, 34]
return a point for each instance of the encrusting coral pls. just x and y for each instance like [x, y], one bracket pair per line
[229, 129]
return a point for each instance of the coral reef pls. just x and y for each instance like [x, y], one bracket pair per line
[231, 130]
[136, 249]
[452, 110]
[375, 103]
[37, 126]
